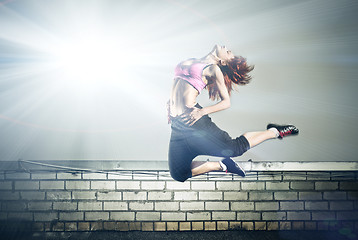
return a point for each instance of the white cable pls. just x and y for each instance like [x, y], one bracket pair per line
[124, 172]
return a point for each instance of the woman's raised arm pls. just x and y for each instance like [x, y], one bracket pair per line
[196, 113]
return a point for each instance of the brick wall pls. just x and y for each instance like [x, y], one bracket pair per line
[151, 201]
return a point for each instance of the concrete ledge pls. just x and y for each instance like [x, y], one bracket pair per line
[301, 166]
[114, 165]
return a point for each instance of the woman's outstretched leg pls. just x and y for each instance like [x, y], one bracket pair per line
[255, 138]
[273, 131]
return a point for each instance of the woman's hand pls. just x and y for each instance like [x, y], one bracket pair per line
[192, 115]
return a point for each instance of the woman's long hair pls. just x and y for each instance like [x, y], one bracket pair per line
[235, 72]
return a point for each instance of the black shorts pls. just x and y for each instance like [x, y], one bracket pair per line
[203, 138]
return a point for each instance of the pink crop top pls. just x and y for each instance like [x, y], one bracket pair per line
[192, 74]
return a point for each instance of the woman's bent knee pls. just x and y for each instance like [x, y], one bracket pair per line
[180, 177]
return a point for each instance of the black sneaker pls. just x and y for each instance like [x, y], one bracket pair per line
[233, 167]
[284, 130]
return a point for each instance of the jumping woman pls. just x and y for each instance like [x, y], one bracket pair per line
[193, 132]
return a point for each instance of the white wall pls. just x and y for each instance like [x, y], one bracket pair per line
[305, 60]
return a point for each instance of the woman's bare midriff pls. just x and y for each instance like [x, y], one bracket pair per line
[183, 97]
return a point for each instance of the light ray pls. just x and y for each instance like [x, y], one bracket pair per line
[86, 79]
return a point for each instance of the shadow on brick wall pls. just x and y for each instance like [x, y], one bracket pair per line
[22, 230]
[15, 229]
